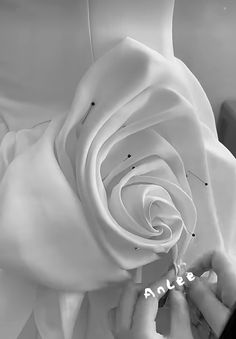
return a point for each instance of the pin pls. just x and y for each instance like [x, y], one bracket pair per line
[137, 248]
[87, 113]
[128, 156]
[192, 234]
[133, 167]
[205, 183]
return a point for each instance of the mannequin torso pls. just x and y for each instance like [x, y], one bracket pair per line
[46, 49]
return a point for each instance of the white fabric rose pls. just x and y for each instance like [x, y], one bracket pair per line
[122, 160]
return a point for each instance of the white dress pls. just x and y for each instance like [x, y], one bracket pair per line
[131, 172]
[124, 179]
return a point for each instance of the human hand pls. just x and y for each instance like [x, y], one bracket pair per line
[135, 316]
[214, 300]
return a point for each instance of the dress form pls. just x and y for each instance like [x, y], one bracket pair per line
[149, 22]
[46, 48]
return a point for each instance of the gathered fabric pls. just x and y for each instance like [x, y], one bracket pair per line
[133, 173]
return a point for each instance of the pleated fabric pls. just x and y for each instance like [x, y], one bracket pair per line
[132, 175]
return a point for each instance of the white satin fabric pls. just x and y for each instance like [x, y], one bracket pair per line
[128, 174]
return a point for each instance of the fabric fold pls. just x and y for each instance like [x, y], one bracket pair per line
[121, 181]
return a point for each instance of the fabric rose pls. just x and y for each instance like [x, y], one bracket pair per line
[130, 173]
[130, 179]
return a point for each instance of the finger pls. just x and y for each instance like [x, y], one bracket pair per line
[180, 322]
[225, 271]
[212, 287]
[215, 313]
[170, 276]
[146, 308]
[211, 282]
[124, 313]
[214, 260]
[145, 315]
[159, 285]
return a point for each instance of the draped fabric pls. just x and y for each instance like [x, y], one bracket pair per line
[134, 173]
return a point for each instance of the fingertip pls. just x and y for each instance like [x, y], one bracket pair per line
[176, 295]
[177, 299]
[171, 274]
[215, 260]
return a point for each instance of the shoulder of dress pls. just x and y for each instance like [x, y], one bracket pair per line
[128, 68]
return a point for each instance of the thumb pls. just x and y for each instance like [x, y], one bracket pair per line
[180, 327]
[213, 310]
